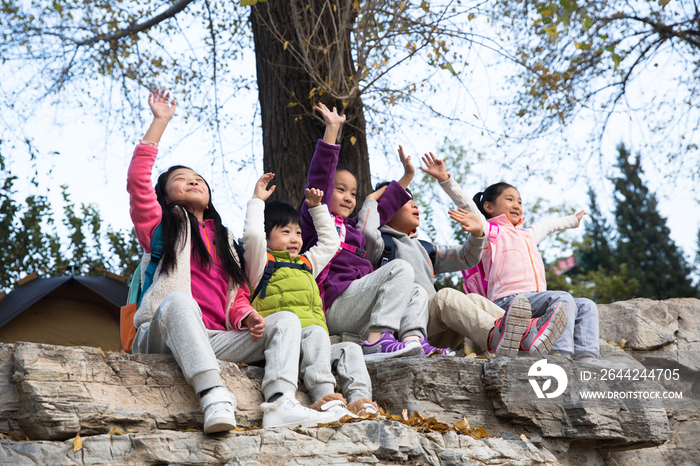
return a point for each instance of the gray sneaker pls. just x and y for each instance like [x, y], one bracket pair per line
[504, 339]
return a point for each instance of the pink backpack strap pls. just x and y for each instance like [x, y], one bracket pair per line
[475, 278]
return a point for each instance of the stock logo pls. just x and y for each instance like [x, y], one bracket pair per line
[543, 369]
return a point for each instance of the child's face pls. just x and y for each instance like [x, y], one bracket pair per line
[286, 238]
[186, 188]
[407, 219]
[508, 203]
[343, 199]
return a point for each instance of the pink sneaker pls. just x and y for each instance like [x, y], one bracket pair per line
[543, 332]
[507, 332]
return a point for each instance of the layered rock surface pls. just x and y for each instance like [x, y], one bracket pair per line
[52, 393]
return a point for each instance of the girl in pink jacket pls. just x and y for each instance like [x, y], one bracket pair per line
[197, 306]
[513, 266]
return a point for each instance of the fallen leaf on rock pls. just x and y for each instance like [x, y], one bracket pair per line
[623, 342]
[523, 437]
[115, 432]
[470, 355]
[14, 436]
[475, 432]
[77, 443]
[404, 414]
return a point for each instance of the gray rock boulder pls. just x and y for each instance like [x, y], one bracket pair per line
[366, 442]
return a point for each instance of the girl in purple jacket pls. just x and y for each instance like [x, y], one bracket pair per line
[374, 304]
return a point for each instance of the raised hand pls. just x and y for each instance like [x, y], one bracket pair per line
[256, 324]
[436, 167]
[408, 169]
[160, 104]
[261, 192]
[313, 197]
[377, 194]
[580, 216]
[330, 117]
[469, 221]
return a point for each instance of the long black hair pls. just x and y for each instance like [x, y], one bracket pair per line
[173, 231]
[489, 195]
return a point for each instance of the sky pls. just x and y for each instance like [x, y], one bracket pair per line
[92, 158]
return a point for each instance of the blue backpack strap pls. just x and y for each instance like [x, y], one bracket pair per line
[272, 266]
[389, 253]
[157, 245]
[430, 249]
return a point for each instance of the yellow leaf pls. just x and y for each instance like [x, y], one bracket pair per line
[292, 104]
[404, 413]
[345, 104]
[77, 443]
[476, 116]
[623, 342]
[353, 140]
[286, 43]
[115, 432]
[470, 16]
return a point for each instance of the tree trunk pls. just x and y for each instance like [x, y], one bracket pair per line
[290, 133]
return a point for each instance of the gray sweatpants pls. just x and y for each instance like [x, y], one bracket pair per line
[580, 338]
[315, 365]
[349, 363]
[386, 300]
[177, 328]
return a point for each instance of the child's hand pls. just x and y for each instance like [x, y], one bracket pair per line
[161, 108]
[261, 192]
[469, 222]
[408, 169]
[256, 324]
[378, 193]
[436, 167]
[580, 216]
[331, 118]
[313, 197]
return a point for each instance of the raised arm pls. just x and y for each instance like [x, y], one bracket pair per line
[369, 223]
[163, 110]
[408, 169]
[144, 209]
[254, 243]
[541, 230]
[437, 169]
[333, 123]
[328, 241]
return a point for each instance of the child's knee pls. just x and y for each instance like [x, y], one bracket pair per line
[284, 321]
[401, 270]
[177, 307]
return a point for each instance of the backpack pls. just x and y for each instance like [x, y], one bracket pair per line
[137, 290]
[475, 278]
[389, 253]
[273, 265]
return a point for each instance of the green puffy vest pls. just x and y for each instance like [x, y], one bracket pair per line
[292, 290]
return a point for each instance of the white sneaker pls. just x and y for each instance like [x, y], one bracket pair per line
[339, 408]
[369, 408]
[219, 406]
[288, 412]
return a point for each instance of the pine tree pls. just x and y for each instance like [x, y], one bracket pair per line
[644, 242]
[595, 252]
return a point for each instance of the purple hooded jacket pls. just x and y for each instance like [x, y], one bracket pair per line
[346, 267]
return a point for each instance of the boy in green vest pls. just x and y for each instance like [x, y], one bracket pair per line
[284, 281]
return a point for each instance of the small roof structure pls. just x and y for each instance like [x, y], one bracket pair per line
[70, 310]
